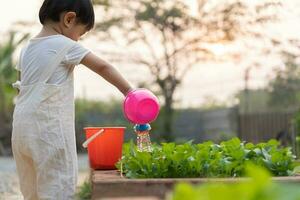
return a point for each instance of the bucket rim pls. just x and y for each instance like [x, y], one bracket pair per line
[105, 127]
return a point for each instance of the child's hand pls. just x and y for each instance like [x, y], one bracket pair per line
[129, 90]
[17, 85]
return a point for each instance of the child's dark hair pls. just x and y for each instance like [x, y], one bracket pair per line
[51, 10]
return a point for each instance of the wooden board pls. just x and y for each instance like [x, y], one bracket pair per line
[108, 184]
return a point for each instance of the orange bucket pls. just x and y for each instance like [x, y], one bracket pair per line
[106, 149]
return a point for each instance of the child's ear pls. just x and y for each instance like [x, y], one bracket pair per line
[69, 19]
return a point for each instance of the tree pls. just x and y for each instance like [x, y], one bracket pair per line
[173, 38]
[285, 87]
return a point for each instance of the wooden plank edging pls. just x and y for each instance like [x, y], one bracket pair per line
[109, 183]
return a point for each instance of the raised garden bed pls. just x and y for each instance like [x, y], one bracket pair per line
[109, 184]
[155, 174]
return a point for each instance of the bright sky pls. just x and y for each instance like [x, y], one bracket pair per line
[221, 80]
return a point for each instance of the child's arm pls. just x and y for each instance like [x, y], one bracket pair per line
[107, 71]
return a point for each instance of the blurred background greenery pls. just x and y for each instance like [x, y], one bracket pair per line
[221, 69]
[171, 38]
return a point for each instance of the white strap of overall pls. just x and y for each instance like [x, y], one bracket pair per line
[49, 69]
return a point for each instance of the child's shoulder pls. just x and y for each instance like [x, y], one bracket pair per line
[65, 39]
[53, 39]
[62, 40]
[52, 43]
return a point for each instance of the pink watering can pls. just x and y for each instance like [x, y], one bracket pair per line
[141, 106]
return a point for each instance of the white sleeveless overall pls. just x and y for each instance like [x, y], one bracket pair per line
[43, 138]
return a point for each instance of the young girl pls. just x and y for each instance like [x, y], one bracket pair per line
[43, 138]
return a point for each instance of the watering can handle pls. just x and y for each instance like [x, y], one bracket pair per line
[85, 144]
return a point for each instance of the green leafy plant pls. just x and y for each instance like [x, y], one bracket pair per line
[227, 159]
[85, 191]
[259, 187]
[296, 125]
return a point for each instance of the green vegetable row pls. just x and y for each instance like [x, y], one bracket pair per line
[260, 187]
[227, 159]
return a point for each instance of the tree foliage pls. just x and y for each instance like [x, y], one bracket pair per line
[172, 36]
[285, 87]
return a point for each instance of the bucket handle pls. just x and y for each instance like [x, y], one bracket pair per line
[85, 144]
